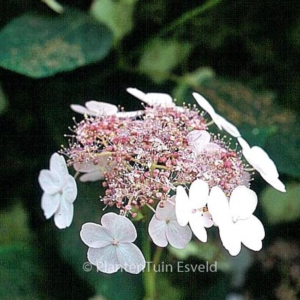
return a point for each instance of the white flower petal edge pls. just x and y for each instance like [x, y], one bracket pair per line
[152, 99]
[189, 209]
[164, 228]
[110, 245]
[97, 109]
[94, 172]
[60, 191]
[221, 122]
[235, 219]
[261, 162]
[199, 140]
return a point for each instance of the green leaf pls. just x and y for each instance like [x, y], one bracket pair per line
[88, 208]
[21, 275]
[42, 45]
[116, 15]
[162, 56]
[281, 207]
[14, 226]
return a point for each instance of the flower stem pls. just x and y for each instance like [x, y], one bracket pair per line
[149, 275]
[188, 16]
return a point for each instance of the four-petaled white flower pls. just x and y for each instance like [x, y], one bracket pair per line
[60, 192]
[261, 161]
[164, 228]
[152, 99]
[199, 140]
[95, 171]
[111, 245]
[97, 109]
[191, 209]
[221, 122]
[235, 219]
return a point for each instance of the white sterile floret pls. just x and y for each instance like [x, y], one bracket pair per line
[221, 122]
[190, 209]
[199, 140]
[60, 192]
[152, 99]
[261, 162]
[235, 219]
[96, 108]
[164, 228]
[95, 171]
[111, 245]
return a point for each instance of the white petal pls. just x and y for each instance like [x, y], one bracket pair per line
[138, 94]
[49, 181]
[204, 103]
[105, 259]
[250, 230]
[261, 161]
[211, 148]
[95, 235]
[93, 176]
[50, 204]
[207, 107]
[230, 238]
[159, 99]
[131, 258]
[80, 109]
[178, 236]
[274, 182]
[130, 114]
[227, 126]
[70, 189]
[254, 244]
[120, 227]
[64, 215]
[167, 212]
[84, 167]
[207, 220]
[198, 139]
[157, 231]
[245, 146]
[198, 193]
[58, 164]
[218, 206]
[242, 203]
[197, 226]
[101, 108]
[182, 206]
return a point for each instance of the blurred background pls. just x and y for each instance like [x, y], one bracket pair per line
[243, 56]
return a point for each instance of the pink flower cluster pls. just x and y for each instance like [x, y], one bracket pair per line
[142, 160]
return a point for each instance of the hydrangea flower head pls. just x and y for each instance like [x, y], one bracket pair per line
[164, 227]
[235, 219]
[111, 245]
[60, 192]
[145, 157]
